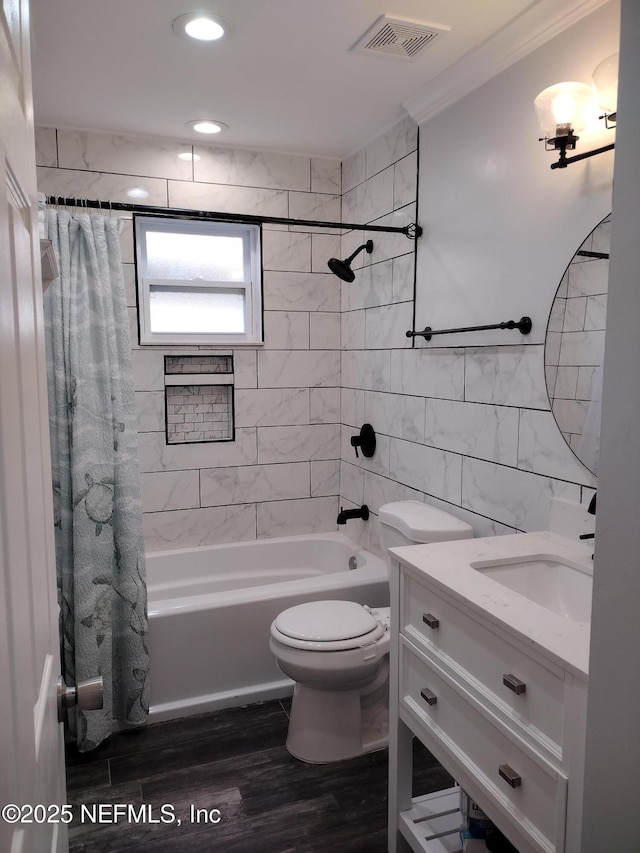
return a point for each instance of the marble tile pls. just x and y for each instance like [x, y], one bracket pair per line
[368, 370]
[552, 347]
[402, 277]
[582, 348]
[352, 483]
[265, 169]
[428, 373]
[298, 369]
[434, 472]
[148, 370]
[99, 185]
[286, 330]
[405, 180]
[46, 147]
[570, 414]
[506, 375]
[286, 251]
[293, 518]
[556, 317]
[194, 527]
[298, 443]
[271, 407]
[228, 199]
[318, 206]
[392, 244]
[299, 291]
[325, 478]
[380, 490]
[352, 406]
[386, 327]
[370, 200]
[391, 146]
[589, 278]
[574, 314]
[584, 386]
[326, 175]
[324, 330]
[352, 333]
[516, 498]
[395, 415]
[566, 383]
[323, 247]
[150, 409]
[354, 170]
[245, 368]
[220, 487]
[373, 287]
[488, 432]
[156, 455]
[126, 240]
[129, 275]
[596, 313]
[324, 405]
[125, 155]
[543, 450]
[170, 490]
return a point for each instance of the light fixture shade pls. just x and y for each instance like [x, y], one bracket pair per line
[201, 26]
[565, 106]
[605, 83]
[207, 125]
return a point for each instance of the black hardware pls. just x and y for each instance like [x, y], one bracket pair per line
[345, 514]
[343, 268]
[513, 683]
[510, 776]
[412, 231]
[524, 325]
[591, 509]
[430, 620]
[585, 253]
[587, 536]
[429, 696]
[564, 161]
[366, 441]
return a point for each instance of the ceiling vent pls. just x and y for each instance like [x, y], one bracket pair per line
[402, 38]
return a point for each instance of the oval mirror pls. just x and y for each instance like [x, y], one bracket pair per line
[574, 345]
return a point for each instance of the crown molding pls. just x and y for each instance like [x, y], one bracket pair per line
[539, 23]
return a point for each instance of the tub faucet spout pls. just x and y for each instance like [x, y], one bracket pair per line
[345, 514]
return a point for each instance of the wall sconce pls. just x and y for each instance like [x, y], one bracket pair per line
[567, 108]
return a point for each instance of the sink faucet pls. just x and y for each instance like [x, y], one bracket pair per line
[591, 509]
[345, 514]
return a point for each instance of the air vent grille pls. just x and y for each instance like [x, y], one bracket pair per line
[403, 39]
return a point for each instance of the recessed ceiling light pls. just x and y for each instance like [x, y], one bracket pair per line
[206, 125]
[202, 26]
[187, 155]
[137, 192]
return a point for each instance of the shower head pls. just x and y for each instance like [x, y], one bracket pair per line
[343, 268]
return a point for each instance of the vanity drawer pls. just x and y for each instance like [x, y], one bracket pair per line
[532, 809]
[492, 666]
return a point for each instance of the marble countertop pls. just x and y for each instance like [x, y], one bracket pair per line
[448, 566]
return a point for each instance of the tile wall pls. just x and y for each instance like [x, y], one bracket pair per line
[468, 429]
[280, 476]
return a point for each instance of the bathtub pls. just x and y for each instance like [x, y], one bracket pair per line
[210, 609]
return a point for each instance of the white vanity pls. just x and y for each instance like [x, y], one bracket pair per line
[489, 667]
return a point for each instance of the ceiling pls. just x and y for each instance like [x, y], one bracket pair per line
[287, 79]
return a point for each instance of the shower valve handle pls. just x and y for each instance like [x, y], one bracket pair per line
[87, 695]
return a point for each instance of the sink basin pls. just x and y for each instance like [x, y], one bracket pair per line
[560, 585]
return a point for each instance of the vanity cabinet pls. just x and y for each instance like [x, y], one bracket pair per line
[505, 720]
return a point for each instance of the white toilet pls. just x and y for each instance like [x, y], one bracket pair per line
[337, 652]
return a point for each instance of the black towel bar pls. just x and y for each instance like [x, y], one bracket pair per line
[523, 324]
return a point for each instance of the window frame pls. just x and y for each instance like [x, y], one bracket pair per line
[251, 285]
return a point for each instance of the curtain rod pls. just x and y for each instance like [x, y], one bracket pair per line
[411, 231]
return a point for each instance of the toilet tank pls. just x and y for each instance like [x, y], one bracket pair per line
[412, 523]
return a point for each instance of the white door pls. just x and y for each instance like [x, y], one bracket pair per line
[31, 747]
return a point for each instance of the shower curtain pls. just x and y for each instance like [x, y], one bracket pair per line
[96, 484]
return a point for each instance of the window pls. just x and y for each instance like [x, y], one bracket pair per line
[198, 282]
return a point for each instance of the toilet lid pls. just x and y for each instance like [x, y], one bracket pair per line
[325, 621]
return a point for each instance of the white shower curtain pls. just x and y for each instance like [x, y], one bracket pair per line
[96, 482]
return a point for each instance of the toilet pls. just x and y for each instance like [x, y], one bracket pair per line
[337, 652]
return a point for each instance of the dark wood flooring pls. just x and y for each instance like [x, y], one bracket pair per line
[234, 761]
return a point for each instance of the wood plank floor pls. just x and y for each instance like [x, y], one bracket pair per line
[234, 761]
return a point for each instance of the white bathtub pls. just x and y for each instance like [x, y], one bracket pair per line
[210, 610]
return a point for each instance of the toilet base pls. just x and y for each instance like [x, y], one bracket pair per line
[328, 725]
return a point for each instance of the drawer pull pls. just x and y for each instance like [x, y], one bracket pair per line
[510, 776]
[430, 620]
[429, 696]
[514, 683]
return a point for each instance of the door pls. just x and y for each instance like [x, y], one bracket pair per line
[31, 746]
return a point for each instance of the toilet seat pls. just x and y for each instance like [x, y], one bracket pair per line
[327, 626]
